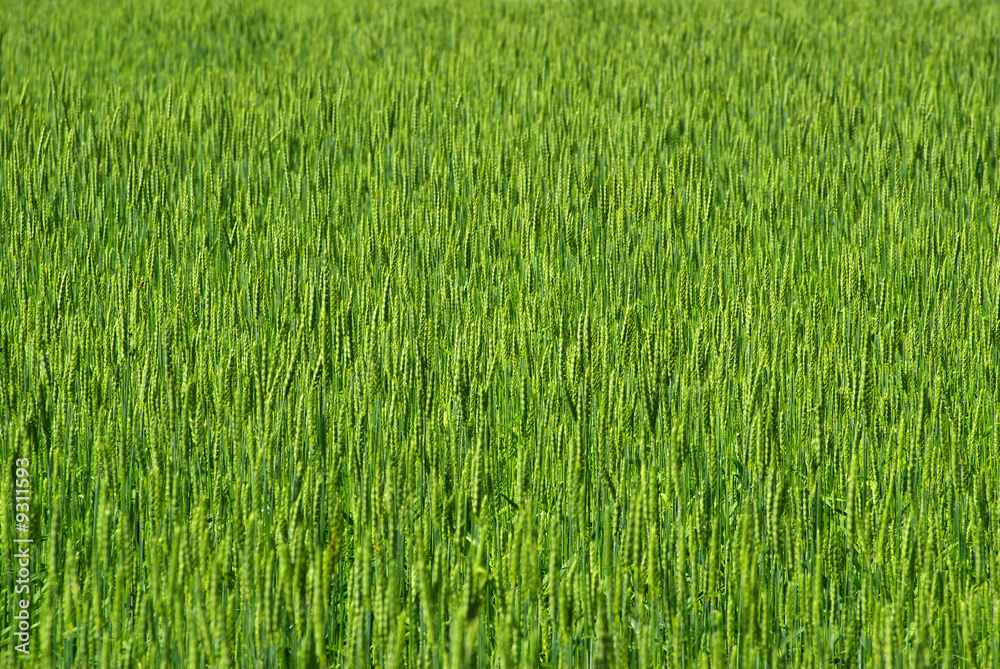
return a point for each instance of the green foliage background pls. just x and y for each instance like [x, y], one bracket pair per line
[502, 333]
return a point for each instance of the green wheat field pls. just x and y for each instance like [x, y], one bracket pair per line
[500, 333]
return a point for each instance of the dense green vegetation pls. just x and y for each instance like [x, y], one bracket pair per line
[502, 334]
